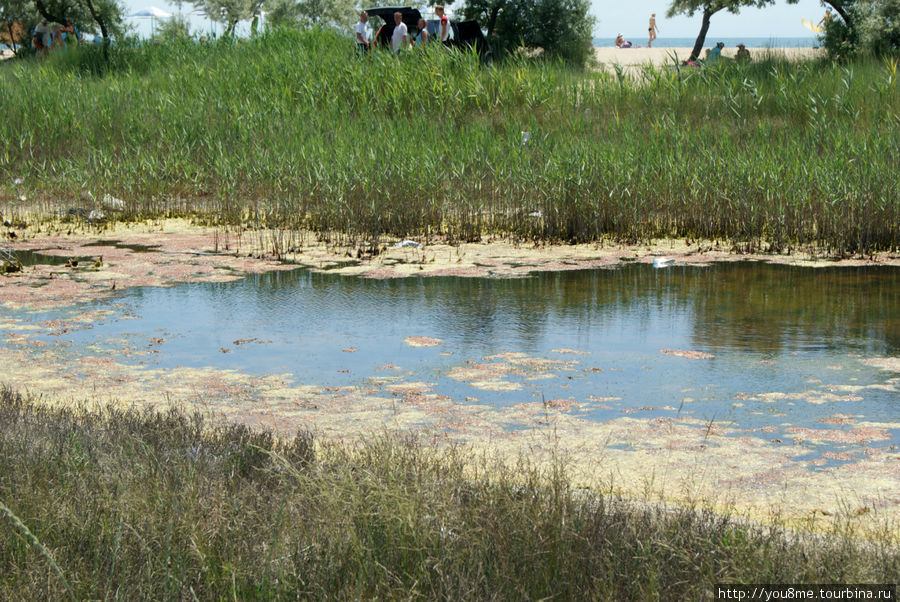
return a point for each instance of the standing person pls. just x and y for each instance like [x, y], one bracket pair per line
[653, 29]
[445, 30]
[362, 33]
[71, 35]
[43, 36]
[826, 19]
[400, 37]
[422, 36]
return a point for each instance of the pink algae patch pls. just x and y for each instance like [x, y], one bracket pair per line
[838, 419]
[687, 353]
[409, 388]
[885, 363]
[561, 404]
[98, 361]
[837, 456]
[857, 435]
[536, 365]
[645, 409]
[763, 429]
[479, 372]
[422, 341]
[177, 256]
[814, 397]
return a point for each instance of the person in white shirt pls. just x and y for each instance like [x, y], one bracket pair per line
[445, 30]
[43, 37]
[400, 37]
[362, 33]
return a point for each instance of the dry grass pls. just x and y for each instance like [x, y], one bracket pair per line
[144, 505]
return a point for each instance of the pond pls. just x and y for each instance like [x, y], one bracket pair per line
[748, 344]
[771, 386]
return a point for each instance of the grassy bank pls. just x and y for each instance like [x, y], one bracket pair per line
[290, 131]
[117, 504]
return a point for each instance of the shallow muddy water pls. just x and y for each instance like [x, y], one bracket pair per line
[792, 352]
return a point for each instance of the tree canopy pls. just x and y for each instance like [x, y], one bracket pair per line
[559, 28]
[280, 13]
[865, 25]
[91, 16]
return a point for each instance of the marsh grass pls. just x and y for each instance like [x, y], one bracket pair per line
[157, 505]
[290, 131]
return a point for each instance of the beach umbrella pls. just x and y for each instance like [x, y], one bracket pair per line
[151, 13]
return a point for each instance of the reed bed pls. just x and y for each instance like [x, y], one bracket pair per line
[292, 131]
[125, 504]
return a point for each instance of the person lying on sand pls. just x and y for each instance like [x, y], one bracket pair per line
[621, 42]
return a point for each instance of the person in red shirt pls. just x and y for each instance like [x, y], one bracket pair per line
[445, 30]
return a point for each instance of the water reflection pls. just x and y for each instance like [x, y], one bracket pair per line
[762, 308]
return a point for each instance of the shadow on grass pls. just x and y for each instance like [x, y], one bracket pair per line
[158, 505]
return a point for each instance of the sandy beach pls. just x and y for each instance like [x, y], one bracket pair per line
[636, 57]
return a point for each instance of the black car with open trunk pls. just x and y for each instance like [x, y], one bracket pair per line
[466, 34]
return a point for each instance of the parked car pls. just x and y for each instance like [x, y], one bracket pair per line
[466, 34]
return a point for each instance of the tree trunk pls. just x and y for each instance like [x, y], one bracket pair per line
[492, 19]
[12, 39]
[103, 29]
[42, 8]
[701, 37]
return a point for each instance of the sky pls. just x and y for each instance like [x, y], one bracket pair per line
[781, 20]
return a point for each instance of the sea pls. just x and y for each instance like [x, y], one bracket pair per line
[801, 42]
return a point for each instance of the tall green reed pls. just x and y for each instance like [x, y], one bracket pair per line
[292, 130]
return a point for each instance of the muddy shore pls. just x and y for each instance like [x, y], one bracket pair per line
[172, 251]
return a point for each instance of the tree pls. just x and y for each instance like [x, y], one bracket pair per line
[16, 18]
[879, 26]
[865, 25]
[230, 12]
[176, 27]
[86, 15]
[559, 28]
[708, 8]
[282, 13]
[330, 13]
[487, 13]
